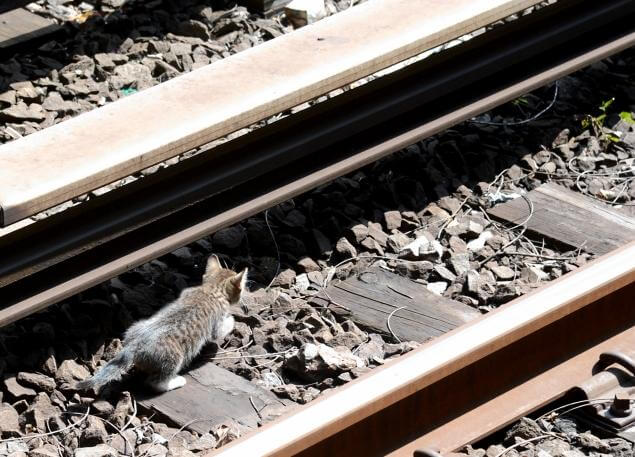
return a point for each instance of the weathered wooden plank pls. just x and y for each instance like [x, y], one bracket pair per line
[7, 5]
[18, 26]
[570, 218]
[211, 396]
[98, 147]
[374, 294]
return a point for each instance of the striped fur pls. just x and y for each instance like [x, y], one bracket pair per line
[164, 344]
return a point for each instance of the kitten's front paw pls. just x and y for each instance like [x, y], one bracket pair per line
[226, 327]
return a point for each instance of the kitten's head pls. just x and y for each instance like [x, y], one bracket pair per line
[233, 284]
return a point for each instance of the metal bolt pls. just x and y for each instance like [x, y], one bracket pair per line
[621, 406]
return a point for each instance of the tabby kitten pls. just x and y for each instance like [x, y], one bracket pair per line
[165, 343]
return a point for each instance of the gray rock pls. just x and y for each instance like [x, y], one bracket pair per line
[437, 287]
[16, 390]
[555, 448]
[456, 228]
[345, 249]
[194, 28]
[132, 74]
[371, 245]
[307, 264]
[359, 233]
[414, 269]
[47, 450]
[392, 219]
[38, 381]
[102, 408]
[620, 447]
[14, 447]
[95, 432]
[101, 450]
[228, 238]
[474, 282]
[123, 408]
[203, 443]
[40, 411]
[55, 102]
[70, 371]
[9, 423]
[591, 442]
[397, 241]
[27, 92]
[294, 219]
[348, 339]
[20, 112]
[502, 272]
[124, 446]
[285, 278]
[525, 428]
[105, 61]
[8, 98]
[457, 245]
[444, 273]
[113, 3]
[375, 232]
[371, 350]
[315, 362]
[460, 263]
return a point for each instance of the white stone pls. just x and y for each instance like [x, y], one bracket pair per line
[303, 12]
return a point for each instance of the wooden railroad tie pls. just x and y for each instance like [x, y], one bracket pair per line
[416, 314]
[19, 26]
[570, 218]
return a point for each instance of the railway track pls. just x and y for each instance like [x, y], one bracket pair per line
[83, 246]
[475, 379]
[422, 399]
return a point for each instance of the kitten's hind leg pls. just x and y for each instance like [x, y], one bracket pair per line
[167, 364]
[166, 384]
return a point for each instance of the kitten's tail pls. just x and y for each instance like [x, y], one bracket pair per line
[113, 371]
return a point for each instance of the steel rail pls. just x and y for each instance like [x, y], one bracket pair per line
[409, 402]
[48, 261]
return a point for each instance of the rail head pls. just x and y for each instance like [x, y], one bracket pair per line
[437, 359]
[96, 148]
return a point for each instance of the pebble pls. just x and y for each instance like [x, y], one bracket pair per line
[307, 264]
[345, 249]
[392, 220]
[359, 232]
[103, 450]
[17, 391]
[503, 272]
[70, 371]
[437, 287]
[37, 381]
[9, 421]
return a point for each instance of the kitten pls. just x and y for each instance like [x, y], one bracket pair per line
[167, 342]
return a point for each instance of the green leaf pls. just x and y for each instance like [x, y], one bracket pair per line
[604, 106]
[627, 117]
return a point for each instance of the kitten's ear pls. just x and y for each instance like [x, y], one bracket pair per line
[213, 265]
[240, 279]
[236, 285]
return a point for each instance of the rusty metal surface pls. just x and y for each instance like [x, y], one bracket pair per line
[49, 261]
[610, 392]
[470, 381]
